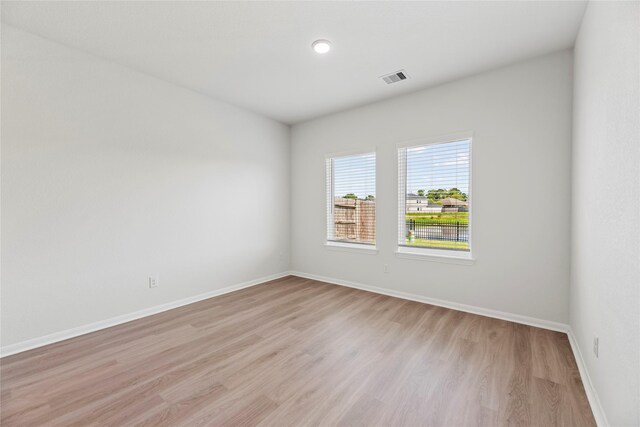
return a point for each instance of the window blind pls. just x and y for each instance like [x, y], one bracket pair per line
[434, 198]
[351, 198]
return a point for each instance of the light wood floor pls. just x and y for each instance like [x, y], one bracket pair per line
[300, 352]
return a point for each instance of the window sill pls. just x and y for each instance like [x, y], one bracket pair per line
[435, 256]
[352, 247]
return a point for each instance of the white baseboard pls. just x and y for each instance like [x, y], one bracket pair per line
[107, 323]
[592, 396]
[517, 318]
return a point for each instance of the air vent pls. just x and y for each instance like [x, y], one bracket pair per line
[398, 76]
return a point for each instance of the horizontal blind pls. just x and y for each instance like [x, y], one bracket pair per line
[434, 183]
[351, 198]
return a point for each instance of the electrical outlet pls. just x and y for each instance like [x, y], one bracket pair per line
[596, 345]
[386, 268]
[153, 281]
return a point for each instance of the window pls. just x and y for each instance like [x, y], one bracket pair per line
[436, 175]
[351, 199]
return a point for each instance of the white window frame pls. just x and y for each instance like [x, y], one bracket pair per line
[432, 254]
[367, 248]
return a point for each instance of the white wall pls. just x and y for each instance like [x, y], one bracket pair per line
[109, 175]
[521, 116]
[605, 279]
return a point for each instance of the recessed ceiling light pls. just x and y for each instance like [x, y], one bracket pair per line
[321, 46]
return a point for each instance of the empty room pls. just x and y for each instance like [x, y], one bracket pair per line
[297, 213]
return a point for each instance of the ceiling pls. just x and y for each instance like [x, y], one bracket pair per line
[258, 55]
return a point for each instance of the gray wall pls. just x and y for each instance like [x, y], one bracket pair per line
[109, 176]
[605, 282]
[521, 117]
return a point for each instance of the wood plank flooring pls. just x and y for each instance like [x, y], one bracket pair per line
[295, 352]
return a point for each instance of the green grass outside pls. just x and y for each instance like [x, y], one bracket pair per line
[435, 218]
[438, 244]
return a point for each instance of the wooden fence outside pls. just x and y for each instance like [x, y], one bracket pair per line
[354, 220]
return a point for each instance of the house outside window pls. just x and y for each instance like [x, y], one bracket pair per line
[434, 197]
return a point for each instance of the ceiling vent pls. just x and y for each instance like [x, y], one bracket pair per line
[398, 76]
